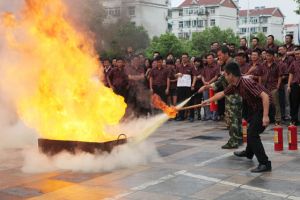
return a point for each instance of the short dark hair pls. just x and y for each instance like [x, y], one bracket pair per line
[232, 44]
[159, 57]
[120, 58]
[243, 38]
[283, 46]
[272, 36]
[105, 59]
[297, 48]
[210, 54]
[185, 54]
[270, 51]
[233, 68]
[255, 38]
[198, 59]
[170, 62]
[241, 54]
[258, 51]
[224, 49]
[290, 35]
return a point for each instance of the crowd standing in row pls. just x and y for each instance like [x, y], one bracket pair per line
[262, 76]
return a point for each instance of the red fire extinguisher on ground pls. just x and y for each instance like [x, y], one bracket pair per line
[213, 105]
[292, 136]
[244, 126]
[278, 138]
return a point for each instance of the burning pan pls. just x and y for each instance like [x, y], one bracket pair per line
[53, 147]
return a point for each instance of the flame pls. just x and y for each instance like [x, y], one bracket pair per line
[51, 67]
[159, 104]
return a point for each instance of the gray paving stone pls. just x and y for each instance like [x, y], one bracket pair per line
[170, 149]
[180, 186]
[241, 194]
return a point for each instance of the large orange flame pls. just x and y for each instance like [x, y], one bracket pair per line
[53, 70]
[159, 104]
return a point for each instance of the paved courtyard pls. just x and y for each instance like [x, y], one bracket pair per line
[193, 167]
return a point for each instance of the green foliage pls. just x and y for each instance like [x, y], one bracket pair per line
[123, 35]
[298, 8]
[165, 44]
[262, 39]
[201, 41]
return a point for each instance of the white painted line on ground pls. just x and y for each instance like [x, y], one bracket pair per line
[202, 164]
[236, 185]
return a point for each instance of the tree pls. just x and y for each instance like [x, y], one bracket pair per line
[298, 8]
[201, 41]
[166, 43]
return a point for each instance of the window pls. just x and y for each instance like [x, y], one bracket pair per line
[212, 11]
[243, 20]
[253, 20]
[243, 30]
[131, 11]
[180, 35]
[265, 29]
[264, 20]
[114, 12]
[180, 13]
[181, 24]
[194, 23]
[212, 22]
[187, 24]
[186, 35]
[200, 23]
[253, 30]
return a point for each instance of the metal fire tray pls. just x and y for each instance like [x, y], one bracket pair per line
[53, 147]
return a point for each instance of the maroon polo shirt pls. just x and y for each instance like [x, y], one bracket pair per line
[290, 48]
[295, 70]
[159, 76]
[245, 68]
[172, 77]
[250, 91]
[273, 47]
[118, 78]
[133, 71]
[270, 76]
[185, 69]
[210, 71]
[258, 71]
[196, 72]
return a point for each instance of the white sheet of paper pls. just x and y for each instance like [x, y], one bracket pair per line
[184, 81]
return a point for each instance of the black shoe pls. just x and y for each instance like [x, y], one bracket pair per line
[199, 117]
[262, 168]
[229, 146]
[179, 119]
[242, 154]
[191, 119]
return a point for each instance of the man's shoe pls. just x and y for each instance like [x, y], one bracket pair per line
[242, 154]
[179, 119]
[191, 119]
[229, 146]
[262, 168]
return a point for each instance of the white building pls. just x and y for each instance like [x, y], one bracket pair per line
[293, 29]
[266, 20]
[151, 14]
[197, 15]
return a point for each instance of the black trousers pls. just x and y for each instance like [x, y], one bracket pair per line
[197, 99]
[281, 94]
[182, 94]
[160, 91]
[254, 144]
[295, 102]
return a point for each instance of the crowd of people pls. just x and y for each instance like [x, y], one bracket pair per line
[257, 84]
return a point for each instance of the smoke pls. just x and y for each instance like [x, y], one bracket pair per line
[124, 156]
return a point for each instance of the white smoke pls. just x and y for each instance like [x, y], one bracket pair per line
[124, 156]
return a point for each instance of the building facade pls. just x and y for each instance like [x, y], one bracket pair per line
[269, 21]
[197, 15]
[151, 14]
[293, 29]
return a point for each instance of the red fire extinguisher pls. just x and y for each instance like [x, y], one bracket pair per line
[292, 136]
[213, 105]
[278, 138]
[245, 126]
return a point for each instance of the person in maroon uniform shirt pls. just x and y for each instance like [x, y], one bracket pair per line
[159, 83]
[284, 62]
[209, 74]
[241, 60]
[271, 80]
[107, 69]
[289, 44]
[271, 44]
[118, 79]
[255, 45]
[184, 71]
[197, 84]
[259, 103]
[255, 70]
[294, 87]
[173, 82]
